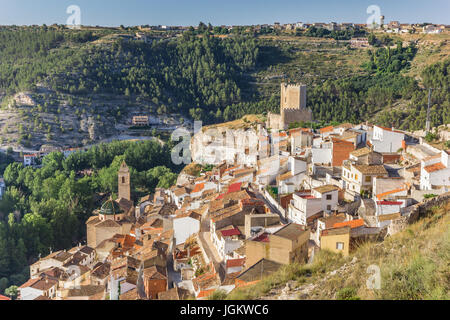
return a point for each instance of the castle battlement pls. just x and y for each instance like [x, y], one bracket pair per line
[292, 107]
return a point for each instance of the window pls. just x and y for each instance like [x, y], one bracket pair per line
[339, 245]
[329, 207]
[356, 176]
[368, 179]
[329, 197]
[123, 179]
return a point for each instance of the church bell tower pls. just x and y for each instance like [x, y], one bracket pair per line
[124, 182]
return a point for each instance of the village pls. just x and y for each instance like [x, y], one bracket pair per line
[265, 196]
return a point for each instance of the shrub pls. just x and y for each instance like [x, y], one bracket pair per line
[218, 295]
[347, 294]
[430, 137]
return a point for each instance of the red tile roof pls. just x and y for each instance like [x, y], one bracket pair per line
[389, 129]
[380, 196]
[230, 232]
[326, 129]
[231, 263]
[4, 298]
[389, 203]
[235, 187]
[262, 238]
[29, 283]
[434, 167]
[352, 223]
[198, 187]
[205, 293]
[220, 196]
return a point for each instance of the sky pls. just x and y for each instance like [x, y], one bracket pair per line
[223, 12]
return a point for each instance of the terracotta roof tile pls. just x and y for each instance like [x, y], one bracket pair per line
[380, 196]
[435, 167]
[326, 129]
[231, 263]
[352, 223]
[198, 187]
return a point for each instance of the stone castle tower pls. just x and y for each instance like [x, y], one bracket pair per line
[124, 182]
[292, 107]
[292, 96]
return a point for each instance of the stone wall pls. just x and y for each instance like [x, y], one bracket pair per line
[418, 211]
[289, 116]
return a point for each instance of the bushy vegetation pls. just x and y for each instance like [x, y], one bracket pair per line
[47, 207]
[334, 34]
[5, 160]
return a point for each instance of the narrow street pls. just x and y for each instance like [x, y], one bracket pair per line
[205, 238]
[269, 205]
[172, 275]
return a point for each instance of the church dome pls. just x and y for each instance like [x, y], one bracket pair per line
[110, 207]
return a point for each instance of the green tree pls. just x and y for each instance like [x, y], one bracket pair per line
[12, 292]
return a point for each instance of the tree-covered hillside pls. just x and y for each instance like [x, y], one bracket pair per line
[217, 79]
[46, 209]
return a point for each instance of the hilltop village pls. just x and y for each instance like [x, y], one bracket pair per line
[257, 196]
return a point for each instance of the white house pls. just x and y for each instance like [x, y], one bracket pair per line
[357, 178]
[226, 240]
[37, 287]
[289, 181]
[302, 206]
[217, 144]
[202, 187]
[328, 195]
[300, 139]
[322, 155]
[68, 152]
[386, 211]
[431, 29]
[386, 139]
[178, 196]
[29, 159]
[388, 188]
[54, 259]
[268, 169]
[185, 225]
[234, 265]
[435, 171]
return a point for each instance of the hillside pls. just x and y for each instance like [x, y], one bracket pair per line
[69, 87]
[413, 265]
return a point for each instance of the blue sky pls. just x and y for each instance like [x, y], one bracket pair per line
[228, 12]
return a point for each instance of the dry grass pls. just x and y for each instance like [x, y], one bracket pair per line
[325, 261]
[414, 264]
[192, 169]
[248, 121]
